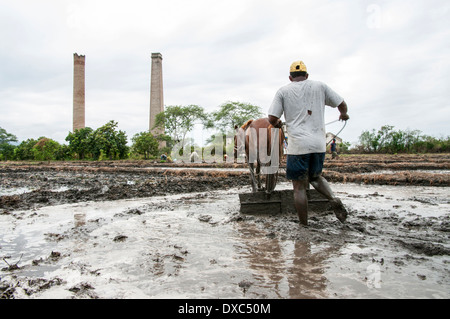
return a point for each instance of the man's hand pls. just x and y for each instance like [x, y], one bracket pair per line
[344, 117]
[343, 109]
[275, 121]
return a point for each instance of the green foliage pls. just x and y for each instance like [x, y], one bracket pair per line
[45, 149]
[6, 151]
[169, 143]
[388, 140]
[6, 137]
[80, 142]
[106, 142]
[344, 147]
[178, 120]
[229, 116]
[24, 151]
[232, 114]
[429, 144]
[6, 148]
[146, 144]
[109, 143]
[63, 153]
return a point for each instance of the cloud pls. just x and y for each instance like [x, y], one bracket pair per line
[388, 59]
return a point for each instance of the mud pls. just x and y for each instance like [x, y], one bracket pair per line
[34, 186]
[135, 230]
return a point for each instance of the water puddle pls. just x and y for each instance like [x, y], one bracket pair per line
[9, 191]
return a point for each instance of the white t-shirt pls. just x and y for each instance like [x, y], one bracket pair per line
[306, 132]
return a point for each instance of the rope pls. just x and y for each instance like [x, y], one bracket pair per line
[335, 135]
[331, 122]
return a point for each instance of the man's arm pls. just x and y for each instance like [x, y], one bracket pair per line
[343, 109]
[275, 121]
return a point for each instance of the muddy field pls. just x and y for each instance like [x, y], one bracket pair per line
[135, 229]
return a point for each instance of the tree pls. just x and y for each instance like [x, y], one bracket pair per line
[6, 148]
[397, 142]
[372, 141]
[385, 137]
[6, 137]
[178, 120]
[6, 151]
[369, 141]
[24, 151]
[108, 142]
[63, 153]
[233, 114]
[80, 142]
[389, 140]
[145, 143]
[411, 139]
[45, 149]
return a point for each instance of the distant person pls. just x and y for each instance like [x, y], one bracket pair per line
[303, 104]
[333, 149]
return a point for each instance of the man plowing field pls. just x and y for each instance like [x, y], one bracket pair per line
[303, 104]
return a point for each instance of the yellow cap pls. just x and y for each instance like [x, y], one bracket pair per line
[298, 66]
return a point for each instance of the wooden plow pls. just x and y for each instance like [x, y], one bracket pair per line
[264, 144]
[279, 202]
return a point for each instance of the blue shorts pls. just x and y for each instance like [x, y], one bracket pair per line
[305, 165]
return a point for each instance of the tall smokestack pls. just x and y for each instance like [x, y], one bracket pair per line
[78, 91]
[156, 92]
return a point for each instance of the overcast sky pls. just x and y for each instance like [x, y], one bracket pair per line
[390, 60]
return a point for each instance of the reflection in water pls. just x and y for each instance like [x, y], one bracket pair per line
[306, 272]
[264, 256]
[289, 269]
[80, 240]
